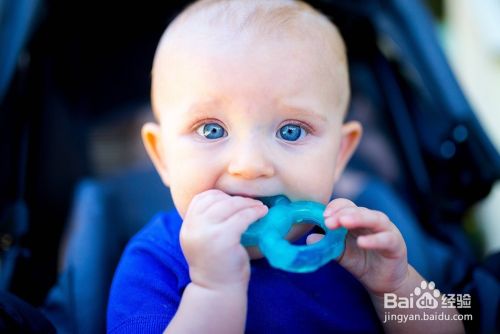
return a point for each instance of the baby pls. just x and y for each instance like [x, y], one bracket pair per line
[250, 98]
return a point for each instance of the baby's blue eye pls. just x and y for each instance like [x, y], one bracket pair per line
[291, 132]
[211, 131]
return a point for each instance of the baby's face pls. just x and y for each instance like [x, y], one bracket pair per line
[254, 122]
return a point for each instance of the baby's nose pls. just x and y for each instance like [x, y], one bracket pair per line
[250, 161]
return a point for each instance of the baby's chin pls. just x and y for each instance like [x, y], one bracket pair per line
[295, 233]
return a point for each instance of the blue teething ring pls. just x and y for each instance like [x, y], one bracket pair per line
[269, 232]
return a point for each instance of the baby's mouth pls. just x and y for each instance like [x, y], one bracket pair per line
[271, 201]
[268, 201]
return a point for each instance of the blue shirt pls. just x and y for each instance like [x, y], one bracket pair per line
[152, 274]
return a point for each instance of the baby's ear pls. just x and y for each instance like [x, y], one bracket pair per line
[350, 136]
[151, 137]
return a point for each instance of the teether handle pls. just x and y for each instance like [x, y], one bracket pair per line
[300, 258]
[269, 234]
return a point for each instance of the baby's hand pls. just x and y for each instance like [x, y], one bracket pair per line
[210, 238]
[375, 250]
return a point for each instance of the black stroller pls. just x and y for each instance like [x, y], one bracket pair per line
[432, 159]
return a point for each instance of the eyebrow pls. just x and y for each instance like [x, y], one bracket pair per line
[302, 112]
[201, 108]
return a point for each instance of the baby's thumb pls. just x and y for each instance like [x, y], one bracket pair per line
[313, 238]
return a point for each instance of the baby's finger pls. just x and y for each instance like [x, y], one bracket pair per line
[313, 238]
[363, 218]
[389, 242]
[333, 207]
[204, 200]
[229, 206]
[336, 205]
[240, 220]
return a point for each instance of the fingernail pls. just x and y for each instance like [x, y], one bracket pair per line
[327, 212]
[329, 222]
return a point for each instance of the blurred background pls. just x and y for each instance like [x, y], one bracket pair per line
[470, 33]
[75, 92]
[73, 106]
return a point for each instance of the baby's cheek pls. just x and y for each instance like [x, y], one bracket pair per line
[185, 185]
[182, 195]
[181, 203]
[312, 182]
[317, 192]
[321, 187]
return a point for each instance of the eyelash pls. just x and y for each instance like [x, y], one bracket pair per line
[309, 130]
[206, 121]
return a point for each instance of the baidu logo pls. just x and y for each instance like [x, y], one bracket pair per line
[428, 303]
[425, 296]
[428, 295]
